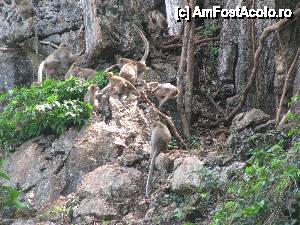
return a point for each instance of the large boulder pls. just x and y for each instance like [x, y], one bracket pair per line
[34, 168]
[186, 175]
[251, 130]
[111, 182]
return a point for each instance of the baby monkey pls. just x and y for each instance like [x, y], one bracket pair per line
[163, 92]
[24, 9]
[160, 138]
[118, 85]
[90, 97]
[131, 69]
[82, 74]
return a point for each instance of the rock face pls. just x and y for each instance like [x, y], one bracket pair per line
[186, 175]
[15, 69]
[251, 130]
[111, 182]
[56, 23]
[34, 169]
[86, 163]
[107, 34]
[236, 57]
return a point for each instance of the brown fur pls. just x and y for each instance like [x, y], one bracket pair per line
[160, 138]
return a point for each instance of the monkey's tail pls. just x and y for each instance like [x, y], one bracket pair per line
[36, 40]
[146, 43]
[40, 72]
[148, 184]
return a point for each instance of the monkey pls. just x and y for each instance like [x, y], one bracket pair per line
[61, 59]
[131, 69]
[160, 138]
[118, 85]
[82, 74]
[151, 86]
[163, 92]
[24, 9]
[90, 96]
[158, 25]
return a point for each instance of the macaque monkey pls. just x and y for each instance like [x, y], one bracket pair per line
[24, 9]
[160, 138]
[118, 85]
[90, 96]
[56, 64]
[131, 69]
[163, 92]
[82, 74]
[158, 25]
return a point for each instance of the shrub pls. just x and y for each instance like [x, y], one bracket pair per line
[49, 108]
[269, 190]
[9, 197]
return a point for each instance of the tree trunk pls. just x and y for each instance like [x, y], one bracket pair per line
[185, 83]
[175, 28]
[190, 72]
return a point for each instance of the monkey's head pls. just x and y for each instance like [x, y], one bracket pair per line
[93, 88]
[109, 75]
[151, 86]
[76, 69]
[156, 124]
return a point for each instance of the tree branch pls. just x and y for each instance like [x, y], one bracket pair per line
[286, 85]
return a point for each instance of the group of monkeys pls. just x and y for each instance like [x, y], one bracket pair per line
[62, 60]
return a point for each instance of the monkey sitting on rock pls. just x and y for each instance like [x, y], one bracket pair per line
[82, 74]
[90, 97]
[163, 92]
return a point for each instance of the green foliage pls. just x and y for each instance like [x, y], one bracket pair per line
[214, 52]
[57, 213]
[51, 107]
[174, 144]
[270, 185]
[9, 197]
[209, 187]
[194, 141]
[270, 180]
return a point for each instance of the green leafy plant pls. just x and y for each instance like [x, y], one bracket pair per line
[214, 52]
[270, 180]
[49, 108]
[270, 185]
[9, 197]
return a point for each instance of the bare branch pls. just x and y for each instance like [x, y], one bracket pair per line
[286, 85]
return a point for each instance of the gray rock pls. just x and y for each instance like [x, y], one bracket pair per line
[228, 172]
[236, 58]
[187, 175]
[163, 162]
[34, 169]
[48, 190]
[251, 130]
[252, 118]
[15, 69]
[107, 33]
[112, 182]
[95, 207]
[131, 160]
